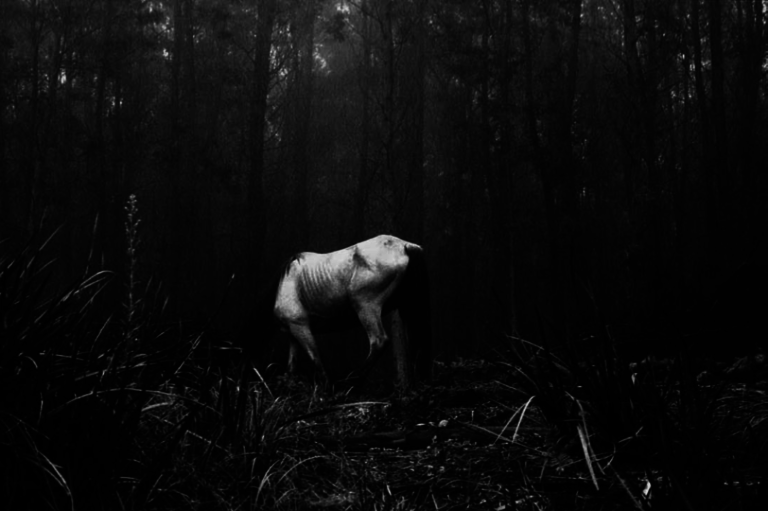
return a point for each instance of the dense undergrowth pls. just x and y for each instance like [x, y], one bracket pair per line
[108, 406]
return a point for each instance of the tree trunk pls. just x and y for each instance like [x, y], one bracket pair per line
[498, 170]
[183, 169]
[718, 167]
[703, 103]
[390, 125]
[255, 226]
[642, 86]
[364, 177]
[561, 193]
[412, 222]
[32, 163]
[302, 102]
[718, 92]
[752, 48]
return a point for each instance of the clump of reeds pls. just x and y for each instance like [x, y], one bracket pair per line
[44, 331]
[649, 431]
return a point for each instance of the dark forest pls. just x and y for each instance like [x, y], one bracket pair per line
[584, 175]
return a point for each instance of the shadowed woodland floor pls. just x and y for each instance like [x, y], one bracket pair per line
[474, 441]
[101, 413]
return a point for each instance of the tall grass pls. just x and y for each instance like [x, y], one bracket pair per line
[107, 406]
[651, 433]
[44, 334]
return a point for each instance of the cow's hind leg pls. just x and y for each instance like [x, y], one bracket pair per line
[293, 348]
[370, 318]
[302, 336]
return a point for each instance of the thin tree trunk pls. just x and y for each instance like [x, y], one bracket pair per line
[413, 143]
[5, 208]
[255, 224]
[255, 227]
[364, 178]
[718, 167]
[388, 33]
[32, 163]
[751, 54]
[497, 170]
[175, 240]
[561, 194]
[99, 154]
[701, 94]
[718, 93]
[303, 118]
[711, 194]
[642, 84]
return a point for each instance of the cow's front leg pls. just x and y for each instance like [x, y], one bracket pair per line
[302, 335]
[370, 318]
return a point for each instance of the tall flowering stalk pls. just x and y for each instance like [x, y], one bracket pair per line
[132, 222]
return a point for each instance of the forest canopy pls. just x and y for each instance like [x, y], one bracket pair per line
[573, 167]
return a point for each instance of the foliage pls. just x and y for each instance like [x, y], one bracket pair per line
[590, 152]
[584, 174]
[655, 418]
[105, 406]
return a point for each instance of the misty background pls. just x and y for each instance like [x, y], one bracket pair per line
[576, 170]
